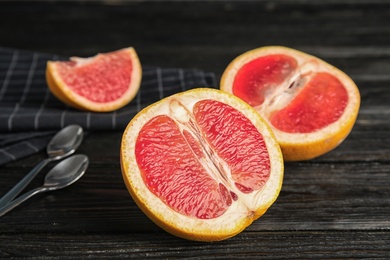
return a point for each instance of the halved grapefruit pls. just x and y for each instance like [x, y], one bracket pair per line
[202, 164]
[310, 105]
[105, 82]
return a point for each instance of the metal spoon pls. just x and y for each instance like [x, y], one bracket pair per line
[63, 144]
[62, 175]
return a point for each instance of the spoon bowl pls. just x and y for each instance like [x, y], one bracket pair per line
[63, 144]
[62, 175]
[66, 172]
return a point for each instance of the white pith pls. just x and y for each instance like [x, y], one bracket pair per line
[87, 104]
[280, 98]
[217, 168]
[240, 210]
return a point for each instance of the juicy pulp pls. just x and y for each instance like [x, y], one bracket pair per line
[198, 162]
[319, 104]
[261, 76]
[101, 79]
[306, 100]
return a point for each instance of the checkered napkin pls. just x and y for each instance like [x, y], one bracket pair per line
[30, 115]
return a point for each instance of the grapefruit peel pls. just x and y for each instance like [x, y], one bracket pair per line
[76, 99]
[308, 145]
[240, 214]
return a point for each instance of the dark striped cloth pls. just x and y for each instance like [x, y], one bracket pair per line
[30, 115]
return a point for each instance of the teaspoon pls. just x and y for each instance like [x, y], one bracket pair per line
[63, 144]
[62, 175]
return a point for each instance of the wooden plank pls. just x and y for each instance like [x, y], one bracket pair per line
[264, 245]
[335, 206]
[315, 196]
[205, 37]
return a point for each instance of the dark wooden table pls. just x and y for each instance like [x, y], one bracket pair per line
[335, 206]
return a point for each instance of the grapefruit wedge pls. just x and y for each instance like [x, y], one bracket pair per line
[202, 164]
[103, 83]
[310, 105]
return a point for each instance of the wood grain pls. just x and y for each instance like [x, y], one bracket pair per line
[335, 206]
[264, 245]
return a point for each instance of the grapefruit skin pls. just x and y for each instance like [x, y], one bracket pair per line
[310, 144]
[86, 99]
[242, 211]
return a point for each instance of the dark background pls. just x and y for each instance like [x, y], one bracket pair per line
[335, 206]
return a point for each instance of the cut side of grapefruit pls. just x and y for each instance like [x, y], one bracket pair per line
[202, 164]
[103, 83]
[310, 105]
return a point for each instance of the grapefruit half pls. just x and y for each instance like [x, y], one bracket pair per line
[103, 83]
[202, 164]
[310, 105]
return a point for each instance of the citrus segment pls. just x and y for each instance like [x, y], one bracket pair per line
[202, 164]
[260, 76]
[102, 83]
[167, 166]
[310, 105]
[318, 105]
[86, 80]
[236, 141]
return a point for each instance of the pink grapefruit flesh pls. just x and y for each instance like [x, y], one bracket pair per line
[102, 83]
[320, 103]
[260, 76]
[87, 80]
[170, 161]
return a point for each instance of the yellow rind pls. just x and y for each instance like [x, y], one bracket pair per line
[300, 147]
[59, 89]
[190, 231]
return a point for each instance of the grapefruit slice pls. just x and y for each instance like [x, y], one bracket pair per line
[202, 164]
[310, 105]
[105, 82]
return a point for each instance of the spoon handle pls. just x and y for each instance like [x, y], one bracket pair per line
[13, 204]
[23, 183]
